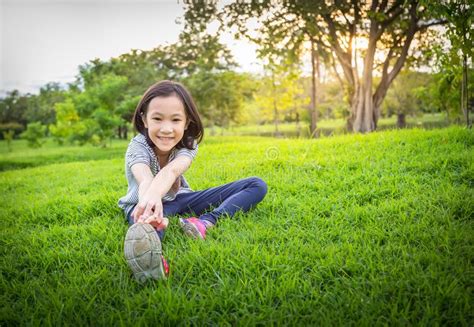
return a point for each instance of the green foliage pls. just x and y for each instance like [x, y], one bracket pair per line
[280, 94]
[407, 94]
[34, 134]
[107, 94]
[15, 127]
[12, 108]
[19, 109]
[66, 120]
[443, 92]
[220, 96]
[8, 137]
[459, 15]
[456, 60]
[332, 103]
[93, 115]
[355, 230]
[41, 107]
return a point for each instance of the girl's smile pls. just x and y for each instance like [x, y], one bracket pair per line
[163, 138]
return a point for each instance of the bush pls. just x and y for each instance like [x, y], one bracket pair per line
[34, 134]
[8, 137]
[17, 128]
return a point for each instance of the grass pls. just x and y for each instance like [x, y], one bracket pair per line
[355, 230]
[21, 156]
[329, 127]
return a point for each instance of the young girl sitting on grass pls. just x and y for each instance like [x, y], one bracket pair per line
[170, 129]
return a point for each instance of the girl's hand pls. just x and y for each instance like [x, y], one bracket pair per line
[158, 223]
[147, 208]
[151, 214]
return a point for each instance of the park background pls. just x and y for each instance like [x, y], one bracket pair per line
[356, 115]
[295, 77]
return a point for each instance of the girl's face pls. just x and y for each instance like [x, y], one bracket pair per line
[166, 122]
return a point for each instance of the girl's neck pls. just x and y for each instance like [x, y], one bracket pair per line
[162, 157]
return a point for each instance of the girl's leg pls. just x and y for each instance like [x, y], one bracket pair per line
[226, 199]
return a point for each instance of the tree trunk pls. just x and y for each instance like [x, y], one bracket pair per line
[298, 125]
[401, 120]
[275, 115]
[364, 104]
[314, 111]
[364, 109]
[464, 92]
[275, 108]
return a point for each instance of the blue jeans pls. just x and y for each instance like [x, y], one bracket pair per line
[213, 203]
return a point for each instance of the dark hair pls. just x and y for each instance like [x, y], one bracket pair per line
[195, 130]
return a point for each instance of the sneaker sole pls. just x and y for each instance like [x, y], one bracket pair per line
[190, 230]
[143, 252]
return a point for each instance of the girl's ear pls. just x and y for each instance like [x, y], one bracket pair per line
[144, 120]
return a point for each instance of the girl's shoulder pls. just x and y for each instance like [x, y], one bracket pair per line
[139, 138]
[139, 144]
[139, 141]
[185, 151]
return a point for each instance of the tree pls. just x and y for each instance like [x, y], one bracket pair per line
[66, 121]
[34, 134]
[332, 103]
[459, 15]
[279, 94]
[12, 108]
[40, 108]
[8, 137]
[197, 49]
[404, 97]
[388, 29]
[443, 93]
[101, 102]
[125, 111]
[219, 96]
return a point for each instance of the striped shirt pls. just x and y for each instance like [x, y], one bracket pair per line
[140, 152]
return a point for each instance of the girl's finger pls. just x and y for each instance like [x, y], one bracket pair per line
[153, 219]
[138, 211]
[161, 224]
[158, 211]
[149, 209]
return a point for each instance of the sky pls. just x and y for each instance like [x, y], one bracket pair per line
[46, 40]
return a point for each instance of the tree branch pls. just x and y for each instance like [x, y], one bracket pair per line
[383, 5]
[387, 78]
[344, 57]
[395, 6]
[412, 29]
[374, 5]
[434, 22]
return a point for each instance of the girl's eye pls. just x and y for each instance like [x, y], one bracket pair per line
[176, 120]
[157, 119]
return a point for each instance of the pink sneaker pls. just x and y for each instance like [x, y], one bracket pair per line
[194, 227]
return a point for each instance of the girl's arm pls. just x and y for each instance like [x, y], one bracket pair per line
[152, 190]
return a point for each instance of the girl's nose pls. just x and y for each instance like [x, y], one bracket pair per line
[166, 129]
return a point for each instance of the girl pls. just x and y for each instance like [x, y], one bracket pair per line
[170, 129]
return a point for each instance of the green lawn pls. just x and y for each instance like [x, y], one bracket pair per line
[328, 127]
[355, 230]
